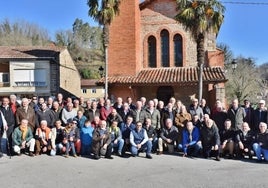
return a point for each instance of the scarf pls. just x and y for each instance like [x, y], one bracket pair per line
[24, 132]
[45, 132]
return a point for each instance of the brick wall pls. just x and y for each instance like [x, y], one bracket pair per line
[124, 46]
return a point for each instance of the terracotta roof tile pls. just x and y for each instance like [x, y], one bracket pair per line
[169, 75]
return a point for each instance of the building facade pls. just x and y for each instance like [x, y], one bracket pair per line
[153, 56]
[41, 71]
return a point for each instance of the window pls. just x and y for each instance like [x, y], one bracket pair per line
[177, 50]
[164, 48]
[152, 51]
[29, 77]
[4, 77]
[84, 90]
[93, 90]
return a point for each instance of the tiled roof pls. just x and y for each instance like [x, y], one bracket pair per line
[9, 52]
[179, 75]
[88, 82]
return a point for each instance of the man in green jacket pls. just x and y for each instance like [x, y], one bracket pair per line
[22, 138]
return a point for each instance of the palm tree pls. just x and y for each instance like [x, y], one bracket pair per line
[200, 18]
[104, 11]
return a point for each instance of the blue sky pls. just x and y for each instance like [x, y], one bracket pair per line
[245, 28]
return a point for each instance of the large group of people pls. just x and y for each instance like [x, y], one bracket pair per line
[59, 126]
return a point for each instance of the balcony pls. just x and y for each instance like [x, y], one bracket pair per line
[30, 84]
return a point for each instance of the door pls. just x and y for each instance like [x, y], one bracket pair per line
[164, 93]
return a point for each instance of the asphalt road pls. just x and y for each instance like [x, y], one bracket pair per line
[161, 171]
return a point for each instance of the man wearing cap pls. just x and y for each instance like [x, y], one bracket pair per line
[259, 115]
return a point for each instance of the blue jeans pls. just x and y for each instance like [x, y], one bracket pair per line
[191, 150]
[118, 145]
[68, 145]
[154, 144]
[85, 149]
[259, 151]
[146, 146]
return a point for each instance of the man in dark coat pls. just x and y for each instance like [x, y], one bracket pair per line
[101, 143]
[9, 117]
[210, 140]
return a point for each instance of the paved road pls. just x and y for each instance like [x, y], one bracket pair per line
[161, 171]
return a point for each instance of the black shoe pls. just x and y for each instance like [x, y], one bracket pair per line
[1, 154]
[119, 154]
[110, 157]
[97, 157]
[218, 158]
[230, 156]
[133, 155]
[31, 154]
[148, 156]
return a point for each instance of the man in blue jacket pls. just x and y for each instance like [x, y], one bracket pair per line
[190, 138]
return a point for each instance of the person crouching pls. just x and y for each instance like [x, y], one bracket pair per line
[43, 138]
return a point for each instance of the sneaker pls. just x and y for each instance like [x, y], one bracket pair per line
[75, 155]
[159, 152]
[148, 156]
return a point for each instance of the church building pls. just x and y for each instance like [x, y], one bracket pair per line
[150, 54]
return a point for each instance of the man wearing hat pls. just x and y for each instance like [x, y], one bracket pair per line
[259, 115]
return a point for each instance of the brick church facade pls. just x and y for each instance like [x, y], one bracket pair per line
[151, 55]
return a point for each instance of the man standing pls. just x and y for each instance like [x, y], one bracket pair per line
[259, 115]
[154, 115]
[236, 114]
[9, 117]
[26, 112]
[139, 141]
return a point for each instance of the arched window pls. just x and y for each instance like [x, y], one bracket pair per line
[152, 51]
[177, 50]
[164, 48]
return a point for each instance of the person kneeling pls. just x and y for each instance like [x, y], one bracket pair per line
[22, 138]
[101, 143]
[190, 138]
[139, 141]
[43, 139]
